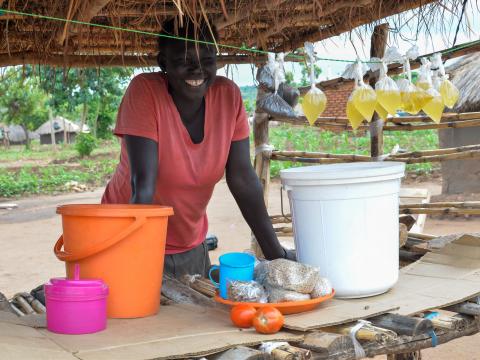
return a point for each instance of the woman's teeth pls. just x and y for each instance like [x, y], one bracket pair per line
[195, 82]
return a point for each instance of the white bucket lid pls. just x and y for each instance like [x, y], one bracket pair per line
[343, 173]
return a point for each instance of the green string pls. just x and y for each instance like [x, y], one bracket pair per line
[243, 48]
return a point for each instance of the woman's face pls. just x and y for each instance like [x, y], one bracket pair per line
[190, 69]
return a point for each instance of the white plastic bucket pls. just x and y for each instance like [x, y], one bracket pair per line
[345, 220]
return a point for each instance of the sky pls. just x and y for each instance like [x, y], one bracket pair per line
[342, 47]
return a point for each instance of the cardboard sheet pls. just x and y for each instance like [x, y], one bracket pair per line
[444, 277]
[178, 331]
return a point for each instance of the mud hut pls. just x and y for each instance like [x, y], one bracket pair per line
[461, 176]
[65, 131]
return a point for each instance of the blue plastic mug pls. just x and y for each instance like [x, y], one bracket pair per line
[233, 266]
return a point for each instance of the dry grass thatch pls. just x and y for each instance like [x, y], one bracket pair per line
[465, 74]
[273, 25]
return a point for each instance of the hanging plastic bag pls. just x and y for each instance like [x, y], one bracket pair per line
[388, 95]
[363, 97]
[413, 98]
[425, 75]
[315, 101]
[448, 91]
[435, 106]
[265, 75]
[272, 103]
[353, 116]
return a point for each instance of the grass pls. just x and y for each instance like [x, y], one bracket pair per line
[45, 152]
[48, 178]
[285, 137]
[35, 172]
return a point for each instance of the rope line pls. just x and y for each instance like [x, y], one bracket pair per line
[226, 46]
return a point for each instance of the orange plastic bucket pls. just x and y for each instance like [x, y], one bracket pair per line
[122, 244]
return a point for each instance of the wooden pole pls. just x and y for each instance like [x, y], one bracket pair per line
[52, 130]
[377, 49]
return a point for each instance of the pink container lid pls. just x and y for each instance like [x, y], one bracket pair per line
[76, 289]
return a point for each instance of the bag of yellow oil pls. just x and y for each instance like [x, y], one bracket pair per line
[277, 295]
[449, 93]
[381, 112]
[388, 95]
[363, 97]
[292, 275]
[246, 291]
[315, 101]
[353, 116]
[447, 90]
[434, 107]
[413, 98]
[424, 81]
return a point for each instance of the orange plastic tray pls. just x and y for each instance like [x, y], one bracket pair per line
[290, 307]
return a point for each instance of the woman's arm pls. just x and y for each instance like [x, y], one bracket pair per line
[143, 157]
[247, 191]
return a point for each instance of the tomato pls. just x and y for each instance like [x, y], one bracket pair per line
[242, 315]
[268, 320]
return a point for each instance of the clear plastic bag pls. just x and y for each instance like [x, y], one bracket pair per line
[291, 275]
[323, 287]
[260, 272]
[425, 75]
[388, 94]
[265, 75]
[363, 98]
[448, 91]
[315, 101]
[276, 295]
[435, 106]
[246, 291]
[353, 115]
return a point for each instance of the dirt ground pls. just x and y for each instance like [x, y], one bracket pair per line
[28, 233]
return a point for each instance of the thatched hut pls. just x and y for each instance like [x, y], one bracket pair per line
[65, 131]
[462, 176]
[15, 135]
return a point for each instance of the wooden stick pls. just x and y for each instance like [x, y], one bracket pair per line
[16, 310]
[23, 304]
[326, 344]
[440, 211]
[452, 204]
[449, 322]
[367, 332]
[288, 352]
[444, 151]
[203, 286]
[467, 308]
[183, 294]
[306, 154]
[434, 126]
[403, 325]
[425, 237]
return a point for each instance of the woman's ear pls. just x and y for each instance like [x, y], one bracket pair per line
[161, 61]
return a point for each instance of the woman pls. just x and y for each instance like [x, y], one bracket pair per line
[182, 129]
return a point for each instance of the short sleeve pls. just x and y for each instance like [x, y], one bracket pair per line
[242, 130]
[136, 114]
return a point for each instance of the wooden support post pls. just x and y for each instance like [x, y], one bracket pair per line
[377, 49]
[52, 130]
[261, 163]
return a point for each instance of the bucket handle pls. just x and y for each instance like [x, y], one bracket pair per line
[98, 247]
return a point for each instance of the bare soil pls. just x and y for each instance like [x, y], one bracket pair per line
[28, 233]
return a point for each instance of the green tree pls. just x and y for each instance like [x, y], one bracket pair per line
[91, 95]
[23, 102]
[305, 80]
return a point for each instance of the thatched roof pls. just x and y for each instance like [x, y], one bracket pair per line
[273, 25]
[465, 75]
[16, 133]
[58, 126]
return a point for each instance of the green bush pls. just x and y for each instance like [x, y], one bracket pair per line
[85, 144]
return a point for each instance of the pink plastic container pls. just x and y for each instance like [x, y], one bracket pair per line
[77, 306]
